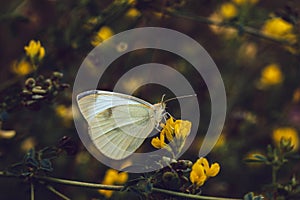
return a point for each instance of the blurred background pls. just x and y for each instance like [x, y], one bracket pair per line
[255, 45]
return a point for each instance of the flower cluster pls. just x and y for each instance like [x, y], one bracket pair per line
[176, 133]
[113, 177]
[201, 171]
[40, 89]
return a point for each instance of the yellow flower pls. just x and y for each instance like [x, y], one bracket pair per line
[176, 133]
[279, 29]
[35, 50]
[168, 129]
[182, 128]
[243, 2]
[113, 177]
[197, 175]
[228, 10]
[104, 33]
[159, 143]
[286, 133]
[210, 171]
[133, 13]
[201, 171]
[270, 75]
[22, 67]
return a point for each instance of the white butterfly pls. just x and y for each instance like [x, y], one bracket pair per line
[118, 123]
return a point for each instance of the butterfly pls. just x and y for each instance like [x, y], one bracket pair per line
[118, 123]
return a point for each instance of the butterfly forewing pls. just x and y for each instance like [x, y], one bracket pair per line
[118, 124]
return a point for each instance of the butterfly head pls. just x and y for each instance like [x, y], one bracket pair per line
[159, 111]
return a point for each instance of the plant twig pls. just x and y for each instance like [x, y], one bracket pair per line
[52, 189]
[118, 188]
[111, 187]
[31, 191]
[243, 28]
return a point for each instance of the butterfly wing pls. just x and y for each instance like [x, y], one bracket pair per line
[118, 123]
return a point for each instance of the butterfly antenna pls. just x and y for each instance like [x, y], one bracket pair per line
[181, 97]
[162, 98]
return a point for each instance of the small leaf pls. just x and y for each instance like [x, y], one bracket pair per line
[46, 165]
[249, 196]
[260, 157]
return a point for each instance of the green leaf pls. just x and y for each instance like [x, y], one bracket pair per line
[250, 196]
[30, 160]
[260, 157]
[46, 165]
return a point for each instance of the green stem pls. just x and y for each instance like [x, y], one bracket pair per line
[116, 188]
[52, 189]
[245, 29]
[274, 174]
[190, 196]
[31, 191]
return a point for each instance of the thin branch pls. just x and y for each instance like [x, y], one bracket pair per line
[190, 196]
[52, 189]
[243, 28]
[118, 188]
[114, 187]
[31, 191]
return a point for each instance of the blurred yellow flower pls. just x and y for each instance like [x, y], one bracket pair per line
[227, 32]
[243, 2]
[296, 95]
[286, 133]
[279, 29]
[270, 75]
[221, 141]
[65, 113]
[132, 2]
[28, 144]
[35, 50]
[201, 171]
[104, 33]
[133, 13]
[82, 157]
[22, 67]
[90, 23]
[228, 10]
[7, 134]
[248, 51]
[113, 177]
